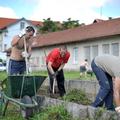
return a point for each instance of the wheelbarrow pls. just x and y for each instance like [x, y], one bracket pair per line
[20, 90]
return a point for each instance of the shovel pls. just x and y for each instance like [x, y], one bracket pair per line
[26, 58]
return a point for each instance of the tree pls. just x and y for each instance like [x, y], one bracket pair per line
[52, 26]
[70, 24]
[48, 26]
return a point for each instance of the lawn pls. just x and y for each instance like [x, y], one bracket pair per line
[3, 75]
[69, 75]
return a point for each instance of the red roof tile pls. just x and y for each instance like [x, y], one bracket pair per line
[36, 23]
[4, 22]
[87, 32]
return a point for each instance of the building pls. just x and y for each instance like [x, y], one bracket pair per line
[83, 42]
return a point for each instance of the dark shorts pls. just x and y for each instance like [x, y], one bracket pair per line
[16, 67]
[82, 68]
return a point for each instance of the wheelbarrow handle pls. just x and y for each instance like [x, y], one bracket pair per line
[20, 103]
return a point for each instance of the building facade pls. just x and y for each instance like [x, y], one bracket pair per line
[84, 42]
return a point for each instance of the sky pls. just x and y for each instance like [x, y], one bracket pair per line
[60, 10]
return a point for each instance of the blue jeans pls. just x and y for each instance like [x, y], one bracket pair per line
[16, 67]
[105, 94]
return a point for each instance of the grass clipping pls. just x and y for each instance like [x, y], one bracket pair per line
[77, 96]
[53, 113]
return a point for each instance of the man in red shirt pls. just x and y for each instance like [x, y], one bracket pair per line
[56, 60]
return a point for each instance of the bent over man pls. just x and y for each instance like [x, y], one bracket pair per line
[56, 61]
[107, 71]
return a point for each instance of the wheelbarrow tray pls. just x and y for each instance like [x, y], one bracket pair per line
[21, 85]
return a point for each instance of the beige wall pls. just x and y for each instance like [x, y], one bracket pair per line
[1, 40]
[38, 54]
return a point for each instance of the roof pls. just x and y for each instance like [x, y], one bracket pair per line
[81, 33]
[97, 20]
[4, 22]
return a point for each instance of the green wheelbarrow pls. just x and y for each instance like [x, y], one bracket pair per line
[20, 90]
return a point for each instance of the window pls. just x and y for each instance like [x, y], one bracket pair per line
[75, 55]
[5, 46]
[22, 25]
[0, 38]
[0, 47]
[94, 51]
[87, 53]
[105, 49]
[43, 60]
[37, 61]
[32, 61]
[6, 33]
[115, 49]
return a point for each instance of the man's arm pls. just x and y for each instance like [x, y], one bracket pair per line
[15, 40]
[61, 67]
[29, 51]
[50, 68]
[116, 88]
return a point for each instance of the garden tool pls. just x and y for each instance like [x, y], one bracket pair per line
[25, 54]
[53, 90]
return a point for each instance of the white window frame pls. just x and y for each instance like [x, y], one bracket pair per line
[75, 55]
[115, 52]
[106, 48]
[22, 25]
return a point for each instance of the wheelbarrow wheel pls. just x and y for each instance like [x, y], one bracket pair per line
[25, 111]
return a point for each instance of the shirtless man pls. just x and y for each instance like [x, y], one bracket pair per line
[17, 63]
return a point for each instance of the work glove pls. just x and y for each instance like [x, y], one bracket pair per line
[25, 54]
[56, 73]
[53, 76]
[117, 109]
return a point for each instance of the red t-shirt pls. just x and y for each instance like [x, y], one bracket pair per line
[56, 59]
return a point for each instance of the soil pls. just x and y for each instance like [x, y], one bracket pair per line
[45, 92]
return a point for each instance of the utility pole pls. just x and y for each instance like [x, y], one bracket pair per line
[101, 9]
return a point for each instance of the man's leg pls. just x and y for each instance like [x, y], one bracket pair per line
[104, 85]
[109, 98]
[13, 67]
[60, 82]
[22, 67]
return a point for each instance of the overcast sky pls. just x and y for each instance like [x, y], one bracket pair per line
[60, 10]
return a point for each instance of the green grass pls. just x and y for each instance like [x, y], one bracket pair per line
[12, 113]
[53, 113]
[3, 75]
[69, 75]
[73, 75]
[77, 96]
[12, 116]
